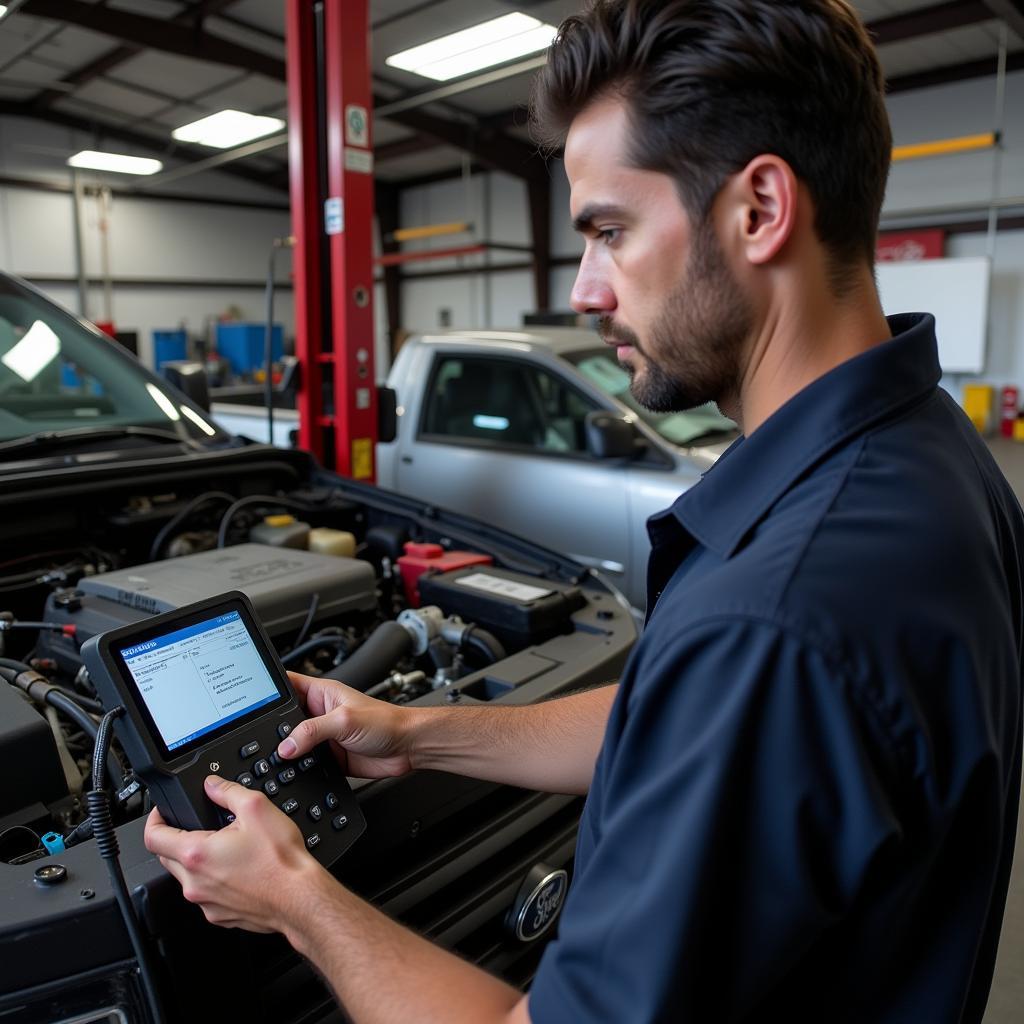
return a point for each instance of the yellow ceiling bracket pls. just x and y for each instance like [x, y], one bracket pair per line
[943, 147]
[431, 231]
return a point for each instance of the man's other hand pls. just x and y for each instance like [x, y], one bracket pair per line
[250, 874]
[370, 738]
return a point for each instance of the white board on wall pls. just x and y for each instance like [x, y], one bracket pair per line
[956, 291]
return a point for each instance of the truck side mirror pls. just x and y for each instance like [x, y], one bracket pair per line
[609, 436]
[387, 414]
[190, 379]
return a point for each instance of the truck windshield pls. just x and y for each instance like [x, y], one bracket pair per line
[703, 424]
[56, 373]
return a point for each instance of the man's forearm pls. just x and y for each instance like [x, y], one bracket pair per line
[364, 955]
[550, 747]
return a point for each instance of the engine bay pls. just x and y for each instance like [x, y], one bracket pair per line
[402, 601]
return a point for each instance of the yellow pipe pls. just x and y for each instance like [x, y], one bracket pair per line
[431, 231]
[963, 144]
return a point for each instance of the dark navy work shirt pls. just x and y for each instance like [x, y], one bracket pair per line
[804, 808]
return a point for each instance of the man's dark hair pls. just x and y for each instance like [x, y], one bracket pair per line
[711, 84]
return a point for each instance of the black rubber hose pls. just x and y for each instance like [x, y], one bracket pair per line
[12, 671]
[311, 645]
[383, 649]
[105, 835]
[268, 346]
[257, 499]
[484, 643]
[181, 515]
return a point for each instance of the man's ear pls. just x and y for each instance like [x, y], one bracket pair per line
[765, 197]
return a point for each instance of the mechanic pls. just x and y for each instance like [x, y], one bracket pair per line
[802, 794]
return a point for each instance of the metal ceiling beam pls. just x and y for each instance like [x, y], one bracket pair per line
[495, 151]
[1010, 11]
[925, 21]
[170, 36]
[954, 73]
[112, 58]
[489, 148]
[421, 99]
[410, 146]
[140, 139]
[212, 163]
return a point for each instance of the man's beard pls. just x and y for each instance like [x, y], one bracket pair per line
[698, 337]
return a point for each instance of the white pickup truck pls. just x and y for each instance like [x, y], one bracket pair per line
[535, 431]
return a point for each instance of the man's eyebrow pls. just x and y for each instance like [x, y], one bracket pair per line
[596, 211]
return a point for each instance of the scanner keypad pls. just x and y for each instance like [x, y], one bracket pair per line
[301, 788]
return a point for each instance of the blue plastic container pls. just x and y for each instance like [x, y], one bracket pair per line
[69, 377]
[242, 345]
[169, 346]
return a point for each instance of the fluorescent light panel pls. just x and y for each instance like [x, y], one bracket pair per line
[117, 162]
[227, 128]
[33, 353]
[473, 49]
[3, 10]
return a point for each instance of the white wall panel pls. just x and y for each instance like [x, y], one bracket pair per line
[949, 111]
[37, 235]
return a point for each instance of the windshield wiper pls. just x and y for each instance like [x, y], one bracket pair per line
[58, 438]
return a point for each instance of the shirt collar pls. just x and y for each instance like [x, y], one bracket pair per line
[755, 472]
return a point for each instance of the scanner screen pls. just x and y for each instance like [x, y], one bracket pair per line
[197, 679]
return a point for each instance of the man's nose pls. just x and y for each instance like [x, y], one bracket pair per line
[591, 293]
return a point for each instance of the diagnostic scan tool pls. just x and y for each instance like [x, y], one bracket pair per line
[205, 693]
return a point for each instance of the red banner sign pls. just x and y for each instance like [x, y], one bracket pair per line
[894, 246]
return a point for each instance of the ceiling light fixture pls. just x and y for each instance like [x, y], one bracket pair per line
[227, 128]
[473, 49]
[116, 162]
[3, 10]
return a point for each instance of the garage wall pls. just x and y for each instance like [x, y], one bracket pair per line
[470, 299]
[192, 244]
[184, 245]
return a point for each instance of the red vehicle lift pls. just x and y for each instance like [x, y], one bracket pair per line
[330, 158]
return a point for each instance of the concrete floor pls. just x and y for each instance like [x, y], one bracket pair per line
[1006, 1003]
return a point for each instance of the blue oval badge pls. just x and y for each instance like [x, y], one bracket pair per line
[542, 907]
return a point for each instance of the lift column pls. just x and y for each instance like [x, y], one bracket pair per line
[331, 170]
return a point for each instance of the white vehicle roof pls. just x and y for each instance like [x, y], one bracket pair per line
[558, 340]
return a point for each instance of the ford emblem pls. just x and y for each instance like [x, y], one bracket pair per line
[540, 908]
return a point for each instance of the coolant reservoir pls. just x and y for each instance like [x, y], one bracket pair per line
[325, 541]
[282, 531]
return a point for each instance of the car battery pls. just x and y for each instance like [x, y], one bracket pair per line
[517, 609]
[419, 558]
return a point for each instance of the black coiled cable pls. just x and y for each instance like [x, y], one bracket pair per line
[98, 802]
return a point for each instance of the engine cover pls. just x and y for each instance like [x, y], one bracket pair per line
[280, 582]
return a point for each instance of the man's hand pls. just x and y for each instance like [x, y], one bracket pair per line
[251, 874]
[369, 737]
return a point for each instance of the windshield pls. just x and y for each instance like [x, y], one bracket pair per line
[58, 374]
[704, 423]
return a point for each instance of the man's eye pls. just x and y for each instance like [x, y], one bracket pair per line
[609, 235]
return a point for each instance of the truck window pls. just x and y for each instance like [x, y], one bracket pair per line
[506, 403]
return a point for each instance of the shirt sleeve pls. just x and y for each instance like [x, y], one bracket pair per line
[742, 801]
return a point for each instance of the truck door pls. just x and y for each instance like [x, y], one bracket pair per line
[502, 439]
